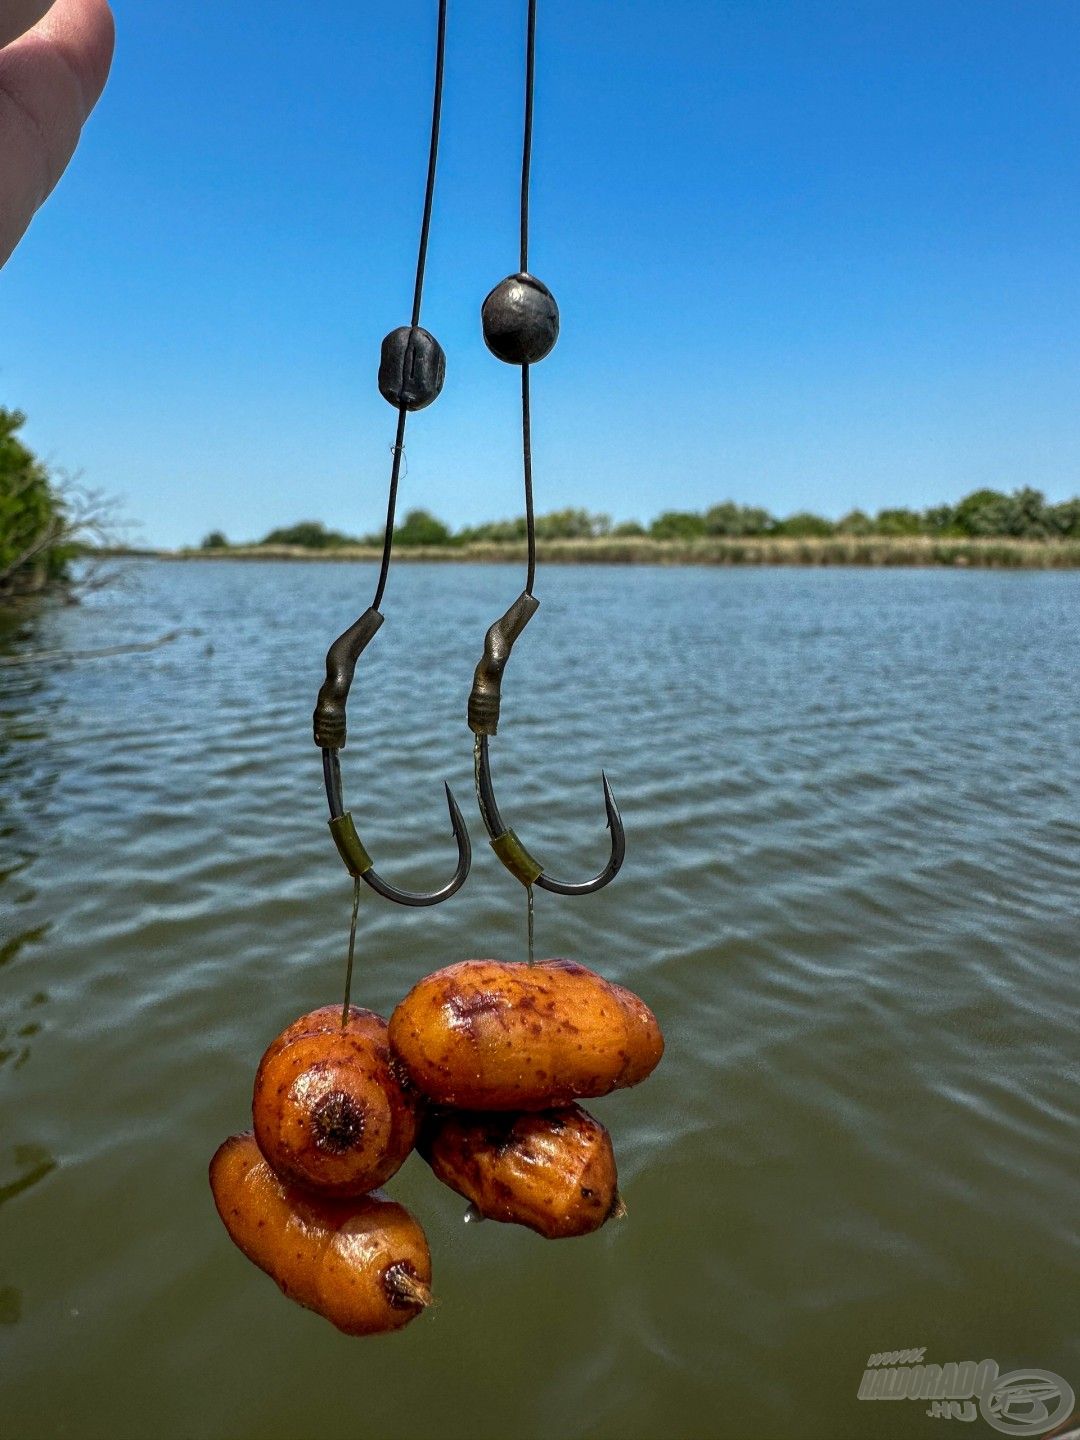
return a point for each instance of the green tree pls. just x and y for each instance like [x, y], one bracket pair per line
[729, 518]
[420, 527]
[216, 540]
[310, 534]
[983, 512]
[898, 522]
[678, 525]
[37, 544]
[1029, 516]
[802, 524]
[1065, 518]
[494, 532]
[855, 522]
[940, 520]
[572, 525]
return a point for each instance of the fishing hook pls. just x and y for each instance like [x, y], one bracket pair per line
[484, 704]
[520, 320]
[330, 731]
[412, 368]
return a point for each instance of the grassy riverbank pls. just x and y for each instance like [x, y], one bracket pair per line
[914, 550]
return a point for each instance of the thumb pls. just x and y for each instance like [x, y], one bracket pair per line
[17, 16]
[50, 80]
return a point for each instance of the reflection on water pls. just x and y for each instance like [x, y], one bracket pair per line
[30, 1164]
[23, 784]
[23, 1164]
[850, 895]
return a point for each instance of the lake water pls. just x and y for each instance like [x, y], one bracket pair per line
[852, 802]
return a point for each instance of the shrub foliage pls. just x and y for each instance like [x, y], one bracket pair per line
[1022, 515]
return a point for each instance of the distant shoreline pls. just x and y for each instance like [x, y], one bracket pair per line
[872, 551]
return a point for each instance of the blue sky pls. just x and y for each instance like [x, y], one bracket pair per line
[808, 255]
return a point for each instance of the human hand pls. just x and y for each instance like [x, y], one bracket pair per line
[54, 61]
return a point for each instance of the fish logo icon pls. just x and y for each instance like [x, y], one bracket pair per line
[1019, 1402]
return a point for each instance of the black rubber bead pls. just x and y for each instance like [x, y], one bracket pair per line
[520, 319]
[412, 368]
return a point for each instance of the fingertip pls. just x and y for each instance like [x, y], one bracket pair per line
[85, 33]
[101, 42]
[50, 80]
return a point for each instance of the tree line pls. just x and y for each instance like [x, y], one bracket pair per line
[1023, 515]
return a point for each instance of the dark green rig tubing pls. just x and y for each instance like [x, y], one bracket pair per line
[349, 845]
[516, 858]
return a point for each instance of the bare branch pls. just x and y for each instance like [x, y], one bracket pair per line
[42, 657]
